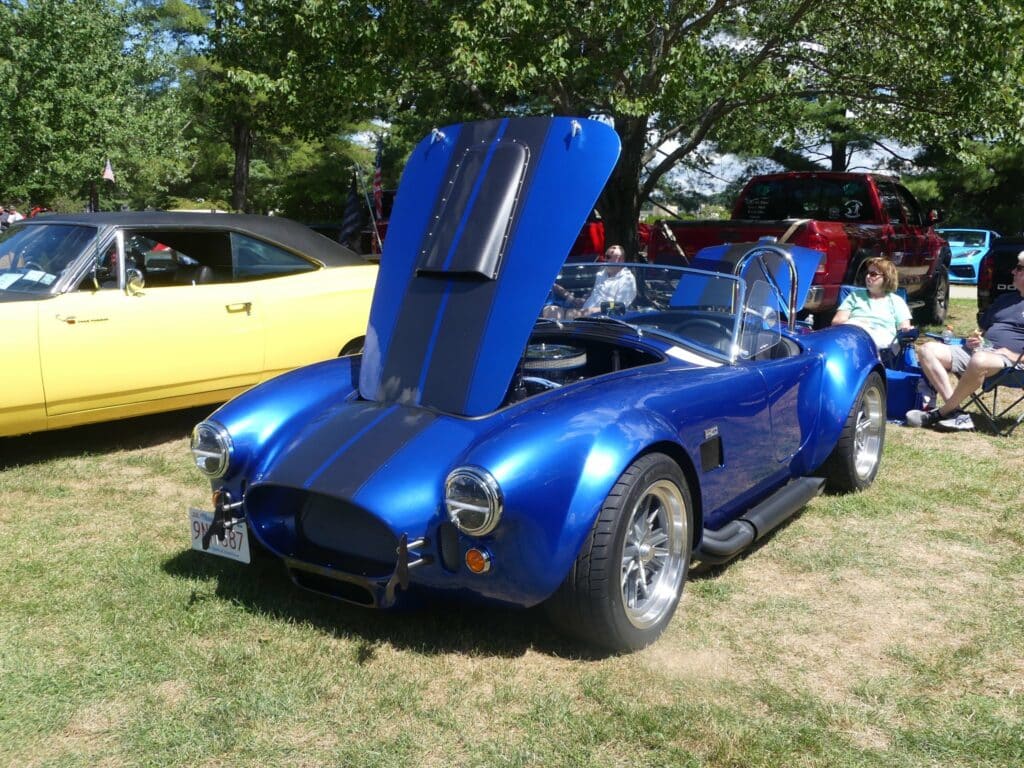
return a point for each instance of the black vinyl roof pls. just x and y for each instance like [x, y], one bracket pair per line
[285, 233]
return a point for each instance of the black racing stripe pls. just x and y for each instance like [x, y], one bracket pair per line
[372, 450]
[410, 339]
[460, 337]
[307, 455]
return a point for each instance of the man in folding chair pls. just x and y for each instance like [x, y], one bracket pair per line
[981, 356]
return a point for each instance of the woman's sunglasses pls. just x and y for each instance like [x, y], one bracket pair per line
[872, 273]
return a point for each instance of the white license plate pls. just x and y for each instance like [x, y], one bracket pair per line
[236, 541]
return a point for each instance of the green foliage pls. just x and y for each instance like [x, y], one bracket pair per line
[686, 73]
[209, 98]
[81, 86]
[981, 186]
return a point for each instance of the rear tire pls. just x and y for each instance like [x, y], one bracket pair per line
[626, 582]
[937, 305]
[854, 461]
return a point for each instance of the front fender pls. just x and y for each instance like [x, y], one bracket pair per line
[555, 468]
[265, 418]
[849, 356]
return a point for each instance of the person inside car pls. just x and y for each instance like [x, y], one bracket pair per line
[614, 286]
[995, 346]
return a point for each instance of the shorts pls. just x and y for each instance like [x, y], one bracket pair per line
[960, 357]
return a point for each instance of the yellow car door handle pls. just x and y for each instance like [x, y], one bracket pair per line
[69, 319]
[242, 306]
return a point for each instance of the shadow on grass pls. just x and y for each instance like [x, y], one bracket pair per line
[424, 625]
[427, 626]
[98, 439]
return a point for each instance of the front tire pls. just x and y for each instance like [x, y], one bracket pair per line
[626, 582]
[354, 347]
[854, 461]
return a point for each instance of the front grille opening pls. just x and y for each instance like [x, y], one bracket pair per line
[321, 529]
[451, 554]
[334, 588]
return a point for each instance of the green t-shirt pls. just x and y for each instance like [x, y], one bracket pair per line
[880, 317]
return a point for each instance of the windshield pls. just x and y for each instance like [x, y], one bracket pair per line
[714, 313]
[959, 237]
[34, 257]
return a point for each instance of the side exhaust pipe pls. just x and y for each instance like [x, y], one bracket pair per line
[724, 544]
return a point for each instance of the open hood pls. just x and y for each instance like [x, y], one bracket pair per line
[484, 217]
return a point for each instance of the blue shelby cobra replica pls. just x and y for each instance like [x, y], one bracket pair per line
[490, 443]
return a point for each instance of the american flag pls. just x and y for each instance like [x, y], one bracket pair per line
[378, 188]
[352, 220]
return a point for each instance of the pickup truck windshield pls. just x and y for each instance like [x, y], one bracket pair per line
[821, 199]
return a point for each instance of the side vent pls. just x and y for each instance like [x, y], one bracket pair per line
[711, 453]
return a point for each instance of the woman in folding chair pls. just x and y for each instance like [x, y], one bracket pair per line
[982, 355]
[877, 308]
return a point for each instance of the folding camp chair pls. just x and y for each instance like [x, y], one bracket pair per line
[902, 376]
[1011, 378]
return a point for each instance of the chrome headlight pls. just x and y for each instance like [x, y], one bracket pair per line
[211, 448]
[473, 499]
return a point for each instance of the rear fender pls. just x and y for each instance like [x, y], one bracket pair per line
[849, 358]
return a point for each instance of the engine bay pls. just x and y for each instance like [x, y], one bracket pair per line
[551, 361]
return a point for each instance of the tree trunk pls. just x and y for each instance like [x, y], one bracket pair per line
[619, 204]
[839, 154]
[241, 142]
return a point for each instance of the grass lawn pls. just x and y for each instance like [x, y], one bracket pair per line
[879, 629]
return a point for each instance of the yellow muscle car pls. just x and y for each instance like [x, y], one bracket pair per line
[106, 316]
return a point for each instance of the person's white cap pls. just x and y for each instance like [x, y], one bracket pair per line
[1020, 258]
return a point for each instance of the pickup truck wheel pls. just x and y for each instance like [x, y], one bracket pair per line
[626, 582]
[937, 305]
[854, 461]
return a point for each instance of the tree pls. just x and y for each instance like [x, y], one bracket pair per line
[982, 186]
[677, 74]
[267, 74]
[81, 86]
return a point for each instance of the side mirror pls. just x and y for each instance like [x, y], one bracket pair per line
[935, 216]
[102, 275]
[134, 281]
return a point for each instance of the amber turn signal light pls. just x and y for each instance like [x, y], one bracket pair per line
[478, 561]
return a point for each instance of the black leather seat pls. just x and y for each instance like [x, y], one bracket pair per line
[193, 275]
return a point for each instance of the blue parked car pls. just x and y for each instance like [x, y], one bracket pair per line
[968, 247]
[490, 445]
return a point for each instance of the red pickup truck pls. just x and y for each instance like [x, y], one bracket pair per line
[849, 217]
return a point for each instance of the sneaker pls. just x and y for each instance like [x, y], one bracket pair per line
[958, 420]
[923, 418]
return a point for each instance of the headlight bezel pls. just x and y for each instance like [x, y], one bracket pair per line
[221, 440]
[489, 491]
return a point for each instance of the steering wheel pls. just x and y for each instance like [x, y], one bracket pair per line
[705, 331]
[33, 265]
